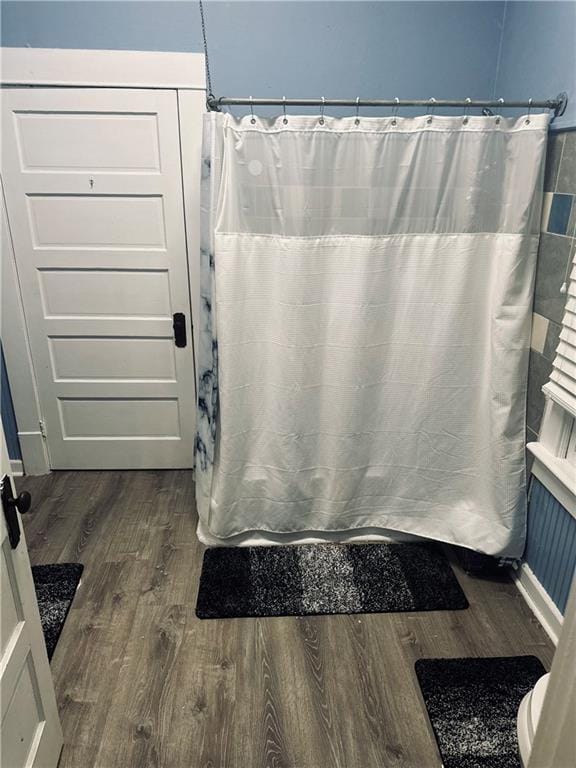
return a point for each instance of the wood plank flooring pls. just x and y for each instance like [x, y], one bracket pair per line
[142, 683]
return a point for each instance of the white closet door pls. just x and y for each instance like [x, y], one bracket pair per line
[93, 189]
[30, 734]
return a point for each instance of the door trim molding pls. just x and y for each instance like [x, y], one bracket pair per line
[191, 108]
[44, 67]
[34, 454]
[18, 357]
[71, 67]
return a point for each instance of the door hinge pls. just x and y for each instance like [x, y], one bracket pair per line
[42, 426]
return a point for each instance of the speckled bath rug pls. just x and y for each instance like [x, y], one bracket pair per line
[55, 589]
[472, 705]
[315, 579]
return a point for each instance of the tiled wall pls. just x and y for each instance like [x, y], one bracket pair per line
[557, 248]
[551, 540]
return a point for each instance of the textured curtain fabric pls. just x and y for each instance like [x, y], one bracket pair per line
[366, 303]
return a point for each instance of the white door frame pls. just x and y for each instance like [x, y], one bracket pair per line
[19, 359]
[183, 72]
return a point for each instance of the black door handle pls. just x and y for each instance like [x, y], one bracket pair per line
[179, 326]
[10, 504]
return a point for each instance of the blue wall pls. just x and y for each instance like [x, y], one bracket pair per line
[538, 57]
[418, 49]
[7, 410]
[551, 544]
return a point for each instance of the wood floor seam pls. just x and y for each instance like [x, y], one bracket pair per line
[141, 682]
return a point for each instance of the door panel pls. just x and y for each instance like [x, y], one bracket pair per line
[65, 141]
[81, 293]
[24, 718]
[98, 417]
[30, 733]
[96, 221]
[94, 197]
[127, 359]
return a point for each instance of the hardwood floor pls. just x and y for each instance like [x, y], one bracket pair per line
[142, 683]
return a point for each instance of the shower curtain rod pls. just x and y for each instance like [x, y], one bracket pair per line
[558, 105]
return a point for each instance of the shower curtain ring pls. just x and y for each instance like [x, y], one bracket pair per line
[429, 108]
[499, 117]
[285, 120]
[527, 121]
[466, 110]
[321, 121]
[252, 119]
[357, 121]
[395, 110]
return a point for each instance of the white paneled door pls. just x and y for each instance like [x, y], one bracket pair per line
[30, 733]
[93, 189]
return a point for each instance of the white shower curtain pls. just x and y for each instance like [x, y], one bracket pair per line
[366, 296]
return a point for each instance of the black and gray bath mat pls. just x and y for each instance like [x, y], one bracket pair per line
[55, 589]
[314, 579]
[472, 705]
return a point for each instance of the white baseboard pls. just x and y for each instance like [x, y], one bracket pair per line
[539, 601]
[34, 454]
[16, 468]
